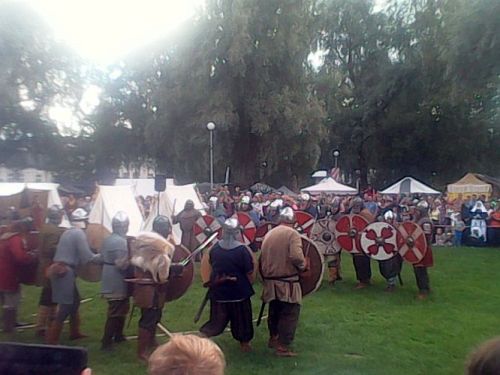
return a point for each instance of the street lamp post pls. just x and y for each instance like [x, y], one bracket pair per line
[211, 128]
[336, 154]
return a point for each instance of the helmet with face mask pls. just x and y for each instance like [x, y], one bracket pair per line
[162, 226]
[120, 223]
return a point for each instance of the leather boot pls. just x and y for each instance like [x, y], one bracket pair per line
[153, 344]
[284, 351]
[42, 318]
[143, 344]
[120, 324]
[273, 342]
[109, 331]
[332, 275]
[245, 347]
[54, 333]
[74, 327]
[9, 320]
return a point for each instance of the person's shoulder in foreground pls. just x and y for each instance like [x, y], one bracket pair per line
[187, 355]
[485, 360]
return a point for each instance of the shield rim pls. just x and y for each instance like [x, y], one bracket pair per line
[403, 240]
[396, 244]
[318, 282]
[308, 229]
[326, 227]
[199, 230]
[356, 249]
[248, 230]
[190, 266]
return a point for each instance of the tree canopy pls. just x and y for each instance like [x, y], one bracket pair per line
[412, 88]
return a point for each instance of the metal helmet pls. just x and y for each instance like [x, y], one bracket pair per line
[357, 205]
[189, 205]
[276, 204]
[79, 215]
[245, 200]
[305, 197]
[389, 215]
[230, 234]
[162, 226]
[287, 215]
[55, 214]
[120, 223]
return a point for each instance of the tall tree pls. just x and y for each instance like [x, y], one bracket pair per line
[243, 66]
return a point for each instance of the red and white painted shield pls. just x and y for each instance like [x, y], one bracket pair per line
[261, 232]
[380, 241]
[247, 227]
[413, 245]
[205, 226]
[323, 235]
[304, 222]
[347, 232]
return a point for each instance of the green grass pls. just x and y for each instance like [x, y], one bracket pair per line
[341, 331]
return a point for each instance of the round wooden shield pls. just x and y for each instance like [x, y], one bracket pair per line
[206, 267]
[323, 235]
[248, 227]
[205, 226]
[413, 246]
[304, 222]
[380, 241]
[310, 281]
[347, 230]
[177, 286]
[261, 232]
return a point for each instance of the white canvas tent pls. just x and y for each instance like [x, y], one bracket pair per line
[109, 201]
[330, 186]
[141, 186]
[408, 185]
[11, 195]
[172, 202]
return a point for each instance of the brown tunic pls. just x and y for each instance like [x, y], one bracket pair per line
[280, 263]
[48, 239]
[186, 220]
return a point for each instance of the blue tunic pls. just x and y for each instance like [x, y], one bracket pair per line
[237, 263]
[73, 250]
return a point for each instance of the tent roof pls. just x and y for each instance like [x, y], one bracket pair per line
[141, 186]
[260, 187]
[320, 174]
[172, 202]
[285, 190]
[8, 189]
[469, 184]
[329, 185]
[112, 199]
[409, 185]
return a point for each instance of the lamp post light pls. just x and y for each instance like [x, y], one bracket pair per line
[336, 154]
[211, 128]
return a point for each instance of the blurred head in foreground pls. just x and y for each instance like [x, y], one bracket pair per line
[485, 360]
[187, 355]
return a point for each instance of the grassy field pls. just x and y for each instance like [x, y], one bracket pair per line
[341, 331]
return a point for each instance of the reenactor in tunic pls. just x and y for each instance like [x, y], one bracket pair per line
[231, 287]
[48, 239]
[114, 288]
[72, 251]
[420, 269]
[281, 262]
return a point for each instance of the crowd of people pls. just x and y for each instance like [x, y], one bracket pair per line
[450, 217]
[145, 266]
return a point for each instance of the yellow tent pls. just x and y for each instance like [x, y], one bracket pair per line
[468, 185]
